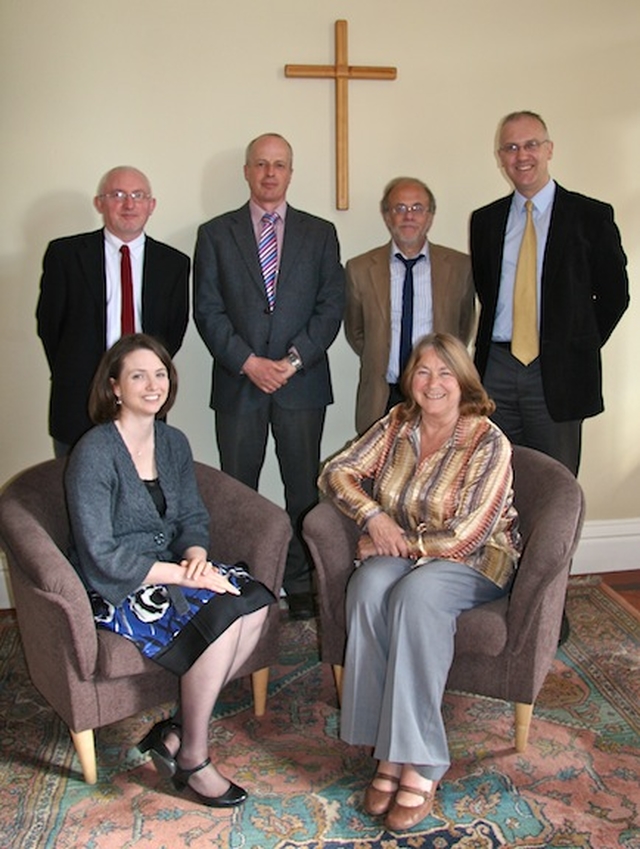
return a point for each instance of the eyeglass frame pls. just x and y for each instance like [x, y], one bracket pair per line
[530, 146]
[119, 195]
[415, 208]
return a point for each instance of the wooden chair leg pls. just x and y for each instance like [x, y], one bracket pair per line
[85, 746]
[523, 721]
[337, 675]
[260, 684]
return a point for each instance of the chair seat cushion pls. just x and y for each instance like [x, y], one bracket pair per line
[483, 630]
[120, 658]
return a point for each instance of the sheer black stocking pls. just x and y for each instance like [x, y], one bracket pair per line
[199, 690]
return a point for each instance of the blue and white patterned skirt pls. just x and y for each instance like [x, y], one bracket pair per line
[175, 634]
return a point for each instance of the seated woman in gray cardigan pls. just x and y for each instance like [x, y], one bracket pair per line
[140, 541]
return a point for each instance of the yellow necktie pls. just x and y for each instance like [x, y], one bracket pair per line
[525, 345]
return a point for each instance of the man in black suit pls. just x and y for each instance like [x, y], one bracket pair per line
[268, 302]
[79, 309]
[581, 291]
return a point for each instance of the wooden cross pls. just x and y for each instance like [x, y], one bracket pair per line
[342, 73]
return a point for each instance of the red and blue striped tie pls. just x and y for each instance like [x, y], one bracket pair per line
[268, 255]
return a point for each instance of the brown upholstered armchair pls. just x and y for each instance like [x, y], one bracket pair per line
[505, 648]
[92, 677]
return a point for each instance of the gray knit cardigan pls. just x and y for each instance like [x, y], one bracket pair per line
[117, 531]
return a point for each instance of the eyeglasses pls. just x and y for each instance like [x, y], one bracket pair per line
[530, 146]
[402, 208]
[119, 195]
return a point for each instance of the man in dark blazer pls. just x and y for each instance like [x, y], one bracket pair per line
[270, 366]
[443, 295]
[78, 313]
[582, 291]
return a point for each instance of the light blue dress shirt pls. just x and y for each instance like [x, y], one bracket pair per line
[542, 207]
[422, 304]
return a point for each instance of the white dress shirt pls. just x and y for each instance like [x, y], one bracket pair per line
[113, 258]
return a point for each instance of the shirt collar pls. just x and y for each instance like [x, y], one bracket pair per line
[257, 212]
[541, 201]
[114, 242]
[424, 251]
[459, 439]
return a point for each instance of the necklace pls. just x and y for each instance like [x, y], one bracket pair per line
[139, 449]
[148, 443]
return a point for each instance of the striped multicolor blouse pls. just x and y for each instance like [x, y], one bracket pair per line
[455, 505]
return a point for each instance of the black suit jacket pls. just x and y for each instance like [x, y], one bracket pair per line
[232, 316]
[71, 317]
[585, 291]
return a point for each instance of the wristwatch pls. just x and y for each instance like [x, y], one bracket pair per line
[294, 359]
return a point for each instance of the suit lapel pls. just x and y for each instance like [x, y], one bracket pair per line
[241, 229]
[496, 245]
[92, 263]
[295, 229]
[559, 228]
[151, 270]
[440, 276]
[381, 282]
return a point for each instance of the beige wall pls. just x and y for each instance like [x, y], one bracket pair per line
[182, 86]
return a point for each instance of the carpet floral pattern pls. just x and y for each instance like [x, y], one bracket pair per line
[575, 787]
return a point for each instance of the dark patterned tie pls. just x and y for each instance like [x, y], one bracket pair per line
[406, 327]
[127, 320]
[268, 255]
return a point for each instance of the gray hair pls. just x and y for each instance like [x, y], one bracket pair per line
[523, 113]
[106, 177]
[384, 203]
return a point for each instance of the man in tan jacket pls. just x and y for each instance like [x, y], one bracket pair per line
[400, 291]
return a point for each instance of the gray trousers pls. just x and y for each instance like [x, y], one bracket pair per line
[242, 442]
[401, 623]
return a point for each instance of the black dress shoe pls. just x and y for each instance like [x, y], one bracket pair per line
[153, 742]
[300, 606]
[233, 795]
[565, 629]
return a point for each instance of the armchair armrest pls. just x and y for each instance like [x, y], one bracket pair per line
[245, 525]
[52, 593]
[331, 538]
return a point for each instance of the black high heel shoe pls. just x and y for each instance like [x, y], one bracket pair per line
[233, 795]
[153, 742]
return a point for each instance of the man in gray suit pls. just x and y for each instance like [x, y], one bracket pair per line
[442, 297]
[268, 301]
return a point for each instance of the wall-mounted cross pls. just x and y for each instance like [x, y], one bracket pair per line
[342, 72]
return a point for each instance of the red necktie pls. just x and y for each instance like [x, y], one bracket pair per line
[127, 320]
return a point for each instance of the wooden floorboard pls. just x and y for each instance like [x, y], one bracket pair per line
[626, 584]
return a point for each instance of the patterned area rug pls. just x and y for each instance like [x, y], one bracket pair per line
[577, 785]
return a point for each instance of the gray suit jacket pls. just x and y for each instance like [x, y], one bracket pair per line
[232, 316]
[117, 532]
[367, 320]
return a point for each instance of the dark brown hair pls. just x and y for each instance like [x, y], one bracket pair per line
[102, 400]
[474, 400]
